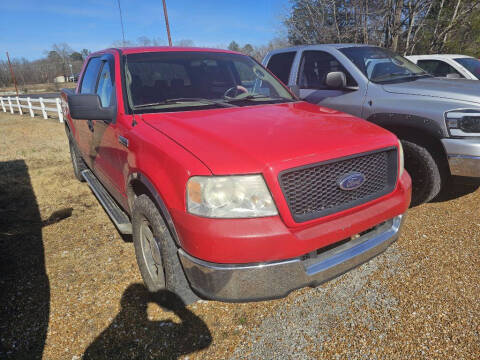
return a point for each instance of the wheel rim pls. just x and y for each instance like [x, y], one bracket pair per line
[151, 253]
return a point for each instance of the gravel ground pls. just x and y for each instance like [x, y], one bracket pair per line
[70, 288]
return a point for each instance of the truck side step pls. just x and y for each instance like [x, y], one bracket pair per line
[119, 218]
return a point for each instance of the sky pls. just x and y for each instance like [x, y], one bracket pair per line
[30, 27]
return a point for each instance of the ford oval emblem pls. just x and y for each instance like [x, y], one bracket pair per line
[351, 181]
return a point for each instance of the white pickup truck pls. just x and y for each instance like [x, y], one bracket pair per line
[448, 65]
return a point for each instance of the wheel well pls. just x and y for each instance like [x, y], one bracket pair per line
[420, 137]
[136, 188]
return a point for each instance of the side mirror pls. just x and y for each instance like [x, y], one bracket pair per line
[453, 76]
[89, 107]
[336, 80]
[295, 90]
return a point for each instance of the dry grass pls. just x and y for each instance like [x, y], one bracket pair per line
[70, 284]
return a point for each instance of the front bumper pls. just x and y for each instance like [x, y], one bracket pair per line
[463, 156]
[262, 281]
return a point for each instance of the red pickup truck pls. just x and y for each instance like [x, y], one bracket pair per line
[231, 187]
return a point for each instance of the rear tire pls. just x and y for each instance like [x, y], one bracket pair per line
[160, 255]
[77, 161]
[428, 175]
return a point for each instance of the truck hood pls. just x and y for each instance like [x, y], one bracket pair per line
[250, 139]
[456, 89]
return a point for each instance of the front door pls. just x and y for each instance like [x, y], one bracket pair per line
[105, 149]
[314, 67]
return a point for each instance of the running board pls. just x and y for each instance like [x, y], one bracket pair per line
[119, 218]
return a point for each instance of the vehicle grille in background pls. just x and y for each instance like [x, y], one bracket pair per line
[312, 191]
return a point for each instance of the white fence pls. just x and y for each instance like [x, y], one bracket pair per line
[16, 103]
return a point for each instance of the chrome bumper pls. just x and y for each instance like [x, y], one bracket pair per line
[262, 281]
[463, 156]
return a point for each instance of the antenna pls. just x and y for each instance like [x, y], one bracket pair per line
[166, 23]
[121, 23]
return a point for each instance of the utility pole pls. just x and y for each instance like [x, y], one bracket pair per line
[13, 74]
[166, 23]
[121, 23]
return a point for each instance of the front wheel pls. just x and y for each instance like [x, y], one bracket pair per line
[156, 251]
[427, 174]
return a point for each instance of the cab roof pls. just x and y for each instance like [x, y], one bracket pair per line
[145, 49]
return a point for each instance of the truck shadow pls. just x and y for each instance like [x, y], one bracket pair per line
[458, 187]
[24, 285]
[132, 335]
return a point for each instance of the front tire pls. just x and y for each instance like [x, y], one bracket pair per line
[156, 251]
[428, 176]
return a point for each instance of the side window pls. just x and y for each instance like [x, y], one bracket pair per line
[314, 67]
[437, 68]
[105, 86]
[89, 80]
[281, 65]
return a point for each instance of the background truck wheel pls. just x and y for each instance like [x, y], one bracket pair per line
[156, 251]
[427, 175]
[77, 161]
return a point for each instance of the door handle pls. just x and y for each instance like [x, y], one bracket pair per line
[90, 125]
[123, 140]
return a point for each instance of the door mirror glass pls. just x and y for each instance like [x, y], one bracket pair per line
[336, 80]
[89, 107]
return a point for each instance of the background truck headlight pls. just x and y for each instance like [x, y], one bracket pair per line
[463, 122]
[238, 196]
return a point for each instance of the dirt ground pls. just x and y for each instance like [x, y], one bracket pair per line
[70, 287]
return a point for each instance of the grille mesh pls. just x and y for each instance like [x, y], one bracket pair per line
[313, 191]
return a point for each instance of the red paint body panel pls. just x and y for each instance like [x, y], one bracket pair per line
[268, 239]
[169, 148]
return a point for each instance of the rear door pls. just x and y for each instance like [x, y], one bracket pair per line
[313, 69]
[84, 128]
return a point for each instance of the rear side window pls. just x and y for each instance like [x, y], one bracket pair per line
[281, 65]
[437, 68]
[314, 67]
[105, 86]
[89, 80]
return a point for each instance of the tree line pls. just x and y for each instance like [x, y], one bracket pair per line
[404, 26]
[61, 59]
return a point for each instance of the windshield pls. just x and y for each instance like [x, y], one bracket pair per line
[190, 80]
[381, 65]
[471, 64]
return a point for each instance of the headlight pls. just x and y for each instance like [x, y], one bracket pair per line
[463, 122]
[401, 158]
[242, 196]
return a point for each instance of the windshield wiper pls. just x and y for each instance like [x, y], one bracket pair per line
[184, 100]
[397, 76]
[257, 96]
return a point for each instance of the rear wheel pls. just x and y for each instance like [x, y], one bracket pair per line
[156, 251]
[77, 161]
[428, 174]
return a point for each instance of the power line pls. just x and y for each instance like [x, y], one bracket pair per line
[121, 22]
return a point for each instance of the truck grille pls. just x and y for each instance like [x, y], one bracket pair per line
[313, 191]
